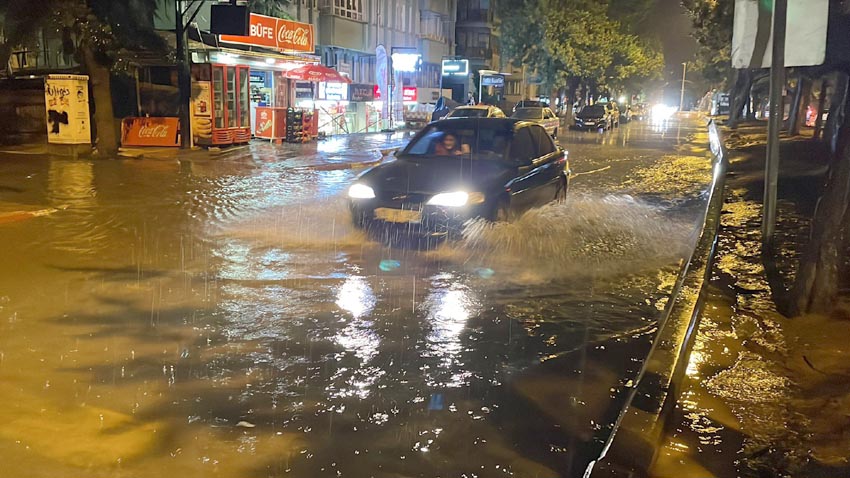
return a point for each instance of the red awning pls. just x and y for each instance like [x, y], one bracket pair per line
[316, 74]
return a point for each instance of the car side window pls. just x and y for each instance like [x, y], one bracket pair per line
[542, 142]
[522, 147]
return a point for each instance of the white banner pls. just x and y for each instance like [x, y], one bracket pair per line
[66, 99]
[805, 41]
[398, 97]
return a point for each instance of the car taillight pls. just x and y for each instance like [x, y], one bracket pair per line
[563, 158]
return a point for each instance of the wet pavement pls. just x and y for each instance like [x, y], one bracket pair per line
[222, 317]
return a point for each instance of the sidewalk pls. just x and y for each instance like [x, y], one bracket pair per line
[357, 150]
[762, 395]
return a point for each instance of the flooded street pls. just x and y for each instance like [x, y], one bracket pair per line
[222, 317]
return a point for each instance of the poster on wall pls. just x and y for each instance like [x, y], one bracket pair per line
[201, 111]
[381, 76]
[66, 99]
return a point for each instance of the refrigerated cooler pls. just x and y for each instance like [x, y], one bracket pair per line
[230, 104]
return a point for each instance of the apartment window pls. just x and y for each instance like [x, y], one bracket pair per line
[352, 9]
[483, 40]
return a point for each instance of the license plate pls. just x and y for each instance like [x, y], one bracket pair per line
[397, 215]
[590, 122]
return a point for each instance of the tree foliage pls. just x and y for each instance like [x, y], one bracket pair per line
[712, 29]
[576, 40]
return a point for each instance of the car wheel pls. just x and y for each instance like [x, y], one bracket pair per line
[503, 211]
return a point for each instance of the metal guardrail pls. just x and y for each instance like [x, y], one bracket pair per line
[636, 437]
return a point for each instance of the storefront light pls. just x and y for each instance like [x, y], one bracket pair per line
[269, 61]
[407, 62]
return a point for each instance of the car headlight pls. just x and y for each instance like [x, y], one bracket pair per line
[360, 191]
[456, 199]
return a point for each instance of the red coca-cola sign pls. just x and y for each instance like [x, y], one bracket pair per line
[150, 132]
[276, 33]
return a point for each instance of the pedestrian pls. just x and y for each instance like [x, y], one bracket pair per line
[471, 100]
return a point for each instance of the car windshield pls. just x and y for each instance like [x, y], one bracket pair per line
[468, 113]
[595, 110]
[462, 138]
[529, 113]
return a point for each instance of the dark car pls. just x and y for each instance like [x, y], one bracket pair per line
[460, 169]
[593, 117]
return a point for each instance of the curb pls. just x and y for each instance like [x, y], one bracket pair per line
[635, 439]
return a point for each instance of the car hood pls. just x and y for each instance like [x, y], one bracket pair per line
[431, 175]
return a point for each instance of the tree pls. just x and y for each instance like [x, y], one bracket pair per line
[107, 36]
[576, 43]
[19, 26]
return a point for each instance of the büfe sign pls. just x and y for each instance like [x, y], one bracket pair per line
[150, 132]
[276, 33]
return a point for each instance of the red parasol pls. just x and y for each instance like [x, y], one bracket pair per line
[316, 74]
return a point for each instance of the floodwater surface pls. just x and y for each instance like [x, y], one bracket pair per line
[223, 317]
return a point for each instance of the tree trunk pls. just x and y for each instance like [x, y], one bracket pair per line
[5, 56]
[816, 285]
[824, 85]
[836, 115]
[740, 93]
[107, 134]
[799, 104]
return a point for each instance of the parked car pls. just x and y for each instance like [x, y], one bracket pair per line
[542, 116]
[459, 169]
[593, 117]
[614, 113]
[529, 104]
[477, 111]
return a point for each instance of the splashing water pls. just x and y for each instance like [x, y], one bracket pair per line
[584, 235]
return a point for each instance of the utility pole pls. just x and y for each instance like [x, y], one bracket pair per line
[184, 78]
[777, 110]
[682, 95]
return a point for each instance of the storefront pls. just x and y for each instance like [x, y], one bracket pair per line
[245, 73]
[365, 110]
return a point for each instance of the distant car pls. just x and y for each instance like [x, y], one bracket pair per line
[614, 112]
[542, 116]
[593, 117]
[529, 104]
[460, 169]
[640, 112]
[477, 111]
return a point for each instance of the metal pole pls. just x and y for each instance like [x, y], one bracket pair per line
[480, 82]
[682, 95]
[771, 165]
[184, 78]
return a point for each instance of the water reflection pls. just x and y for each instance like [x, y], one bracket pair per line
[449, 310]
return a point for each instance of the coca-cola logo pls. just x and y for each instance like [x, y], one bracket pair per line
[299, 36]
[156, 131]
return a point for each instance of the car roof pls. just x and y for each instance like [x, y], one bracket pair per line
[474, 107]
[467, 122]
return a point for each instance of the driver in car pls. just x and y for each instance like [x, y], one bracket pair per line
[449, 146]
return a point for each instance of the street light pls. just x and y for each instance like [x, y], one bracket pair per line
[682, 95]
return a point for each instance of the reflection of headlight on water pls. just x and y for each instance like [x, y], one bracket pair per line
[661, 113]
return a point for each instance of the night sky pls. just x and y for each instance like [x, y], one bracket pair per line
[671, 24]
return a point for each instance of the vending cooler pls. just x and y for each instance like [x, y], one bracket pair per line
[230, 101]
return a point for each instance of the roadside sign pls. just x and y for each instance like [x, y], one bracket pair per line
[455, 67]
[805, 42]
[66, 99]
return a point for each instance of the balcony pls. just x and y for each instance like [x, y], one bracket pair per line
[474, 15]
[436, 6]
[474, 52]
